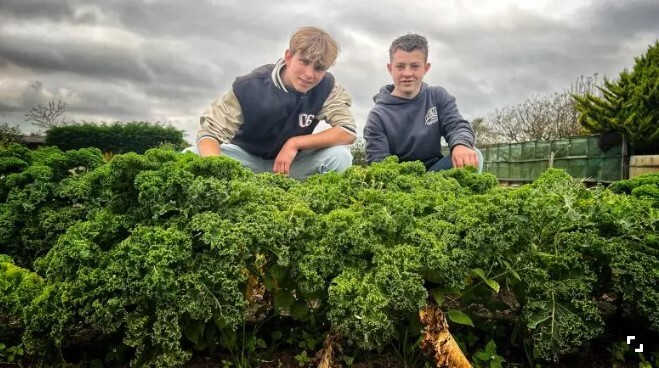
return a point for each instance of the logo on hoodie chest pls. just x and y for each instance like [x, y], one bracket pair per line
[305, 120]
[431, 116]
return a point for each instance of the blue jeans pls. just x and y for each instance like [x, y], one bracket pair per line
[445, 162]
[305, 164]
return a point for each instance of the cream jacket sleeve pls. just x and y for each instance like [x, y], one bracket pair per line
[336, 110]
[221, 120]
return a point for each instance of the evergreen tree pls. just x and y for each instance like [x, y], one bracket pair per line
[629, 105]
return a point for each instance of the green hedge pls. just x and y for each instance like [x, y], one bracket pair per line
[136, 136]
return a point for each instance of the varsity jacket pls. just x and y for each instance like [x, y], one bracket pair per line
[259, 114]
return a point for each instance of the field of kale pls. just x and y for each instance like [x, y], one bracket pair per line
[168, 259]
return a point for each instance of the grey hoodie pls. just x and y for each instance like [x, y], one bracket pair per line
[412, 128]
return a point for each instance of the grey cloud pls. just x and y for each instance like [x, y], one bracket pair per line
[533, 56]
[82, 99]
[226, 21]
[67, 11]
[102, 61]
[38, 9]
[29, 94]
[620, 20]
[191, 52]
[121, 105]
[171, 68]
[186, 100]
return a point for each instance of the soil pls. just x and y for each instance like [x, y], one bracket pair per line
[286, 359]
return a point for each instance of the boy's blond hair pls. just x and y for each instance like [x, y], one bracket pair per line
[315, 45]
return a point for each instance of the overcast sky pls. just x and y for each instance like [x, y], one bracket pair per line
[167, 60]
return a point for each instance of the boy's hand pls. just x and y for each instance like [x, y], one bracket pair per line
[462, 156]
[285, 157]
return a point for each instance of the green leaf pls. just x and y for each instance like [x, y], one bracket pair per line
[194, 331]
[438, 295]
[491, 347]
[534, 322]
[278, 272]
[300, 311]
[491, 283]
[228, 339]
[511, 270]
[479, 272]
[270, 283]
[459, 317]
[283, 299]
[482, 355]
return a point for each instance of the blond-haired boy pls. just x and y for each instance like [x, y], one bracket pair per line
[266, 121]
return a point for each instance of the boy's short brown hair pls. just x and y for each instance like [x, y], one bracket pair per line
[314, 45]
[409, 43]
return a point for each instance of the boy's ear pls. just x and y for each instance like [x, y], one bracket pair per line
[389, 67]
[288, 56]
[427, 67]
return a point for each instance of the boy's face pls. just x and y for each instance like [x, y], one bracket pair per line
[300, 73]
[407, 70]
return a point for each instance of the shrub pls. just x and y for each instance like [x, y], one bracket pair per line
[629, 105]
[116, 138]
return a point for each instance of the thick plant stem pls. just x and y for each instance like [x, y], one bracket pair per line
[326, 355]
[437, 341]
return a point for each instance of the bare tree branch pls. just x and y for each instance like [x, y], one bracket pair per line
[539, 118]
[49, 116]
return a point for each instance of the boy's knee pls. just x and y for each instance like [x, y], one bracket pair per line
[337, 158]
[481, 160]
[192, 149]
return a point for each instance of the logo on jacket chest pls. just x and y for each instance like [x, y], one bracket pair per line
[305, 120]
[431, 116]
